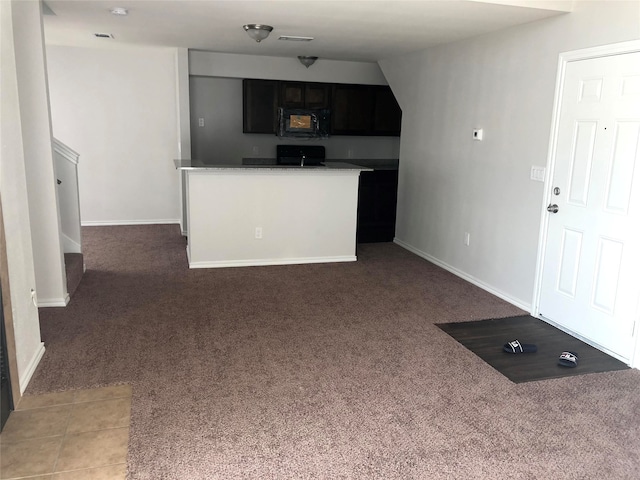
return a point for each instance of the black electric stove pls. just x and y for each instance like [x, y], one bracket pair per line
[307, 155]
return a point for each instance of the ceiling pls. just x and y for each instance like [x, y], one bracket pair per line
[362, 30]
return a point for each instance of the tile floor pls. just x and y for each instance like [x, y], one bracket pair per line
[74, 435]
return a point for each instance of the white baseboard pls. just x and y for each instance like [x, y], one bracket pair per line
[25, 378]
[54, 302]
[109, 223]
[465, 276]
[266, 262]
[69, 245]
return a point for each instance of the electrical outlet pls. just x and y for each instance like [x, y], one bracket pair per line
[467, 238]
[255, 150]
[201, 122]
[259, 233]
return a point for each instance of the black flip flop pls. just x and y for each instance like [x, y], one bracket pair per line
[517, 347]
[568, 359]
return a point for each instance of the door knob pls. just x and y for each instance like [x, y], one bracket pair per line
[553, 208]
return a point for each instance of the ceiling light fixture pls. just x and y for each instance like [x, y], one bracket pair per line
[119, 11]
[295, 38]
[307, 61]
[258, 32]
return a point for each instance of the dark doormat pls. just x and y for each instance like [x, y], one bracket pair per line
[485, 338]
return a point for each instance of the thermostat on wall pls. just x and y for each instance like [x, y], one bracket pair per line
[477, 134]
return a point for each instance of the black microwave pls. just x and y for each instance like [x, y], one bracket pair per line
[306, 123]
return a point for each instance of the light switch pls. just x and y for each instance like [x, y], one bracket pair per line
[537, 173]
[477, 134]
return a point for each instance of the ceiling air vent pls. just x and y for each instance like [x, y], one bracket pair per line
[295, 38]
[104, 35]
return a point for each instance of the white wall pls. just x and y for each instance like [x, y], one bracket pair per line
[48, 257]
[118, 109]
[184, 128]
[221, 141]
[213, 64]
[182, 99]
[13, 194]
[449, 184]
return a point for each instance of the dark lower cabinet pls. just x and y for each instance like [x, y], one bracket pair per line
[377, 200]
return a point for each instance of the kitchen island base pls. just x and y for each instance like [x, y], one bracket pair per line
[271, 216]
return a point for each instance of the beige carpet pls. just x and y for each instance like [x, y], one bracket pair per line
[319, 371]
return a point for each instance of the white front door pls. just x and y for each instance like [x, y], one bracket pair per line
[591, 266]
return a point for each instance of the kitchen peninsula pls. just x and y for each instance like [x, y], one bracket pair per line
[249, 215]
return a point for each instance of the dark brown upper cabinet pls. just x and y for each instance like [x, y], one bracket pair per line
[259, 105]
[365, 110]
[355, 109]
[387, 116]
[352, 109]
[291, 94]
[305, 95]
[317, 95]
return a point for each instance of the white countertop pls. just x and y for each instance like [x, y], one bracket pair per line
[189, 164]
